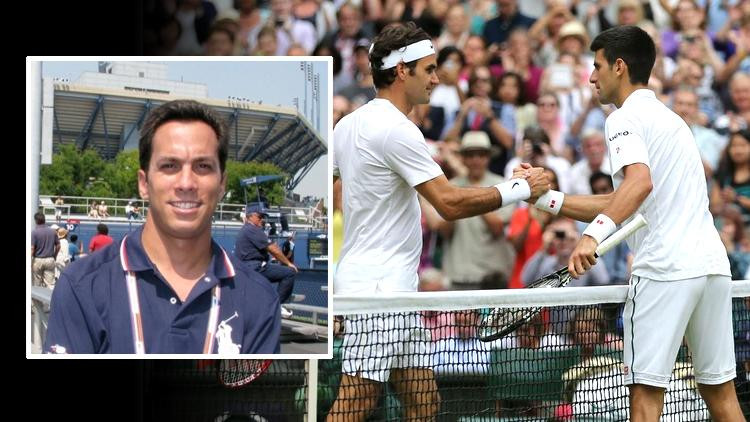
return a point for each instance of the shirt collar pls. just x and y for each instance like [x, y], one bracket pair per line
[639, 93]
[134, 258]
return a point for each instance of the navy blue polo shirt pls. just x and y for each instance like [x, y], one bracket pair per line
[252, 244]
[90, 309]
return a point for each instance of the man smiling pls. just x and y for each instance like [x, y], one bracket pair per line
[167, 287]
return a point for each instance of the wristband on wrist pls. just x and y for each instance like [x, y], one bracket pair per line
[551, 201]
[513, 190]
[600, 228]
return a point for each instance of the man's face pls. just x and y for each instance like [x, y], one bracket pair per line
[349, 21]
[739, 90]
[474, 51]
[255, 219]
[419, 86]
[604, 78]
[476, 162]
[455, 20]
[184, 181]
[506, 7]
[686, 105]
[572, 45]
[593, 149]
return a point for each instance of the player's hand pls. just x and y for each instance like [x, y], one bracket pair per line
[522, 171]
[538, 183]
[582, 257]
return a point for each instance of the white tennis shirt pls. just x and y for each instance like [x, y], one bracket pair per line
[680, 240]
[380, 156]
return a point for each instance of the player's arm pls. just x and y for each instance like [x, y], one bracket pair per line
[274, 250]
[635, 187]
[618, 205]
[453, 203]
[631, 193]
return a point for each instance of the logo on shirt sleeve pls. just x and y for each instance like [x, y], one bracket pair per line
[618, 134]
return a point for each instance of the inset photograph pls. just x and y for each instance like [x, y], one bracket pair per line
[177, 207]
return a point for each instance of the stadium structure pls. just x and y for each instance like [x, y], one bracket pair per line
[105, 110]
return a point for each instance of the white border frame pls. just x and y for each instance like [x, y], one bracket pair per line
[329, 127]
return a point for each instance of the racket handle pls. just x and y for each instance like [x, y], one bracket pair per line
[618, 236]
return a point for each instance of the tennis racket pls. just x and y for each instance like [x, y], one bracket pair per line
[503, 321]
[235, 373]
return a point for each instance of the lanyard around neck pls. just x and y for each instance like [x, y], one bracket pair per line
[136, 322]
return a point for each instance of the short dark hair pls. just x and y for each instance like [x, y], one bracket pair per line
[184, 110]
[73, 238]
[631, 44]
[39, 218]
[102, 228]
[498, 82]
[393, 37]
[536, 135]
[595, 176]
[446, 52]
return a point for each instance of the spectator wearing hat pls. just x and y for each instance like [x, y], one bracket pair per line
[63, 256]
[477, 254]
[254, 248]
[44, 247]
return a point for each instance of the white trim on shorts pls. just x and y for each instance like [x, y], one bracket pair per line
[658, 313]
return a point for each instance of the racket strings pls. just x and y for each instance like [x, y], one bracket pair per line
[237, 372]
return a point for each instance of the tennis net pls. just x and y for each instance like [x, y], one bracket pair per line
[564, 364]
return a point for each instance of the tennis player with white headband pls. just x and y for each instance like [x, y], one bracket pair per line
[381, 159]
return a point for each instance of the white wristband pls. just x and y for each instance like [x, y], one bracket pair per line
[600, 228]
[514, 190]
[551, 201]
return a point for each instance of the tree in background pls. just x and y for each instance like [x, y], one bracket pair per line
[85, 173]
[236, 171]
[73, 173]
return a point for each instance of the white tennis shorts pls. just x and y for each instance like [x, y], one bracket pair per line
[659, 313]
[374, 344]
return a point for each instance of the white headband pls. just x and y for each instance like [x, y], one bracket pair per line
[407, 54]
